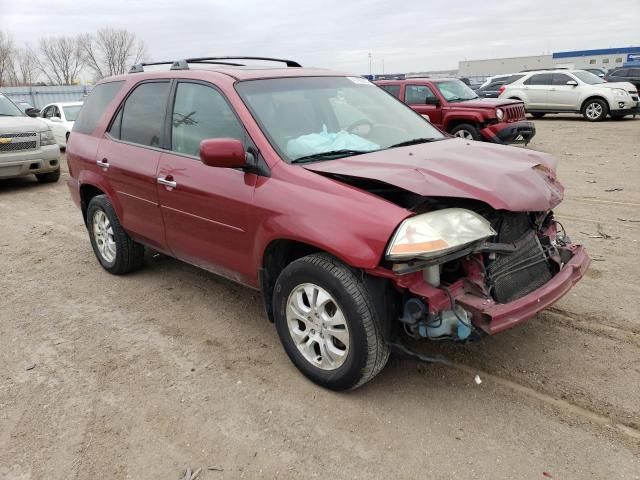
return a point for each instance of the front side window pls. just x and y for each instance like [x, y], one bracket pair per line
[143, 114]
[418, 94]
[201, 112]
[561, 79]
[588, 77]
[95, 105]
[331, 116]
[455, 90]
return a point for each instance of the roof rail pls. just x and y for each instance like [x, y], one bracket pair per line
[542, 69]
[183, 64]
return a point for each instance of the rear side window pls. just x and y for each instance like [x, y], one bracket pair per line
[392, 89]
[95, 105]
[539, 79]
[141, 119]
[417, 94]
[512, 79]
[201, 112]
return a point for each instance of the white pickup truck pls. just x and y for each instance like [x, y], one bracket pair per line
[27, 145]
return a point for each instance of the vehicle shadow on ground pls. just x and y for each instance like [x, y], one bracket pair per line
[10, 185]
[578, 118]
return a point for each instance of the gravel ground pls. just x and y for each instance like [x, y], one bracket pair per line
[145, 375]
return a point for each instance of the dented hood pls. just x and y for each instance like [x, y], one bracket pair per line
[507, 178]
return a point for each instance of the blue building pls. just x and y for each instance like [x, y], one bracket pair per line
[605, 58]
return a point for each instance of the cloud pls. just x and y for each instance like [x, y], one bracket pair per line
[413, 35]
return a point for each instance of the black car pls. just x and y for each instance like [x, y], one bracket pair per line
[492, 89]
[624, 74]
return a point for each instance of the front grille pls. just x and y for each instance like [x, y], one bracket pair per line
[513, 275]
[18, 141]
[16, 147]
[513, 113]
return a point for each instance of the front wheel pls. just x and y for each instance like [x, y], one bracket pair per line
[115, 250]
[595, 110]
[328, 324]
[537, 114]
[466, 131]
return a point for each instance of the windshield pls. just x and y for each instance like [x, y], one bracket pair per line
[455, 91]
[344, 116]
[71, 112]
[8, 108]
[588, 77]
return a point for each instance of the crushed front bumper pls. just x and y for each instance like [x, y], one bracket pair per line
[508, 133]
[493, 317]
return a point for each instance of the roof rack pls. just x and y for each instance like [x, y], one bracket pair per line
[183, 64]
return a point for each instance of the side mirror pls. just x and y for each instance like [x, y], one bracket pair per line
[32, 112]
[573, 83]
[432, 101]
[223, 153]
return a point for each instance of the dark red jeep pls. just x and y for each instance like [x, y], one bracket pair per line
[453, 107]
[362, 224]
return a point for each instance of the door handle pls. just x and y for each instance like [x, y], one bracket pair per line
[167, 181]
[104, 163]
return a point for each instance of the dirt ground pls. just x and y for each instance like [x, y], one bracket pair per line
[140, 377]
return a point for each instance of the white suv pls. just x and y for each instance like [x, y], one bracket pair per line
[576, 91]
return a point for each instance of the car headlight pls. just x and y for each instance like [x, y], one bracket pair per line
[437, 233]
[620, 92]
[499, 114]
[47, 138]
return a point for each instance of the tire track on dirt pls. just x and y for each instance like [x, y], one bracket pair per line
[574, 321]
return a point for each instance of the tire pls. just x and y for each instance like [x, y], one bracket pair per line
[466, 131]
[595, 110]
[538, 114]
[49, 177]
[123, 255]
[363, 353]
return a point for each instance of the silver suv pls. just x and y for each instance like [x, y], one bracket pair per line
[575, 91]
[27, 145]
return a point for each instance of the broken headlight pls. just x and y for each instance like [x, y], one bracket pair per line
[437, 233]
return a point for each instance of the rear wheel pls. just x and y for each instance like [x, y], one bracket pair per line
[537, 114]
[49, 177]
[328, 323]
[466, 131]
[115, 250]
[595, 110]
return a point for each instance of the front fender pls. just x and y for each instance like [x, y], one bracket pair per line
[467, 117]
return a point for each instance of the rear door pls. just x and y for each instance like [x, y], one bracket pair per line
[538, 89]
[129, 155]
[424, 101]
[206, 210]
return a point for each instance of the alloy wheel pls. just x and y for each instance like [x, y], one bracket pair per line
[593, 111]
[103, 236]
[317, 326]
[466, 134]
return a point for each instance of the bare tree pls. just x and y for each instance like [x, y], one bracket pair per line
[27, 66]
[112, 51]
[61, 59]
[7, 53]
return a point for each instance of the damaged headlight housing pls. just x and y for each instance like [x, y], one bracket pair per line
[437, 233]
[47, 138]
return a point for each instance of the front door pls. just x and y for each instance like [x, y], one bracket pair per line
[563, 96]
[206, 210]
[422, 99]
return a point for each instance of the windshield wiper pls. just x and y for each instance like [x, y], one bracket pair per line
[415, 141]
[330, 155]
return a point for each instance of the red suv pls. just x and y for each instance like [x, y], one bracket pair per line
[453, 107]
[362, 224]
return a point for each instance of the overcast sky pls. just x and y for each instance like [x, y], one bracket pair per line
[410, 35]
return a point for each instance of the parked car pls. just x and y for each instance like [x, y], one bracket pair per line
[27, 145]
[625, 74]
[573, 91]
[361, 223]
[456, 109]
[492, 88]
[596, 71]
[60, 117]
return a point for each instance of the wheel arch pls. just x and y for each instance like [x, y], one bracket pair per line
[595, 97]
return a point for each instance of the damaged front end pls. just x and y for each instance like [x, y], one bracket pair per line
[465, 272]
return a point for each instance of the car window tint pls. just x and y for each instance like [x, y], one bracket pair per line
[392, 89]
[512, 79]
[561, 79]
[143, 114]
[539, 79]
[494, 85]
[417, 94]
[46, 113]
[95, 105]
[201, 112]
